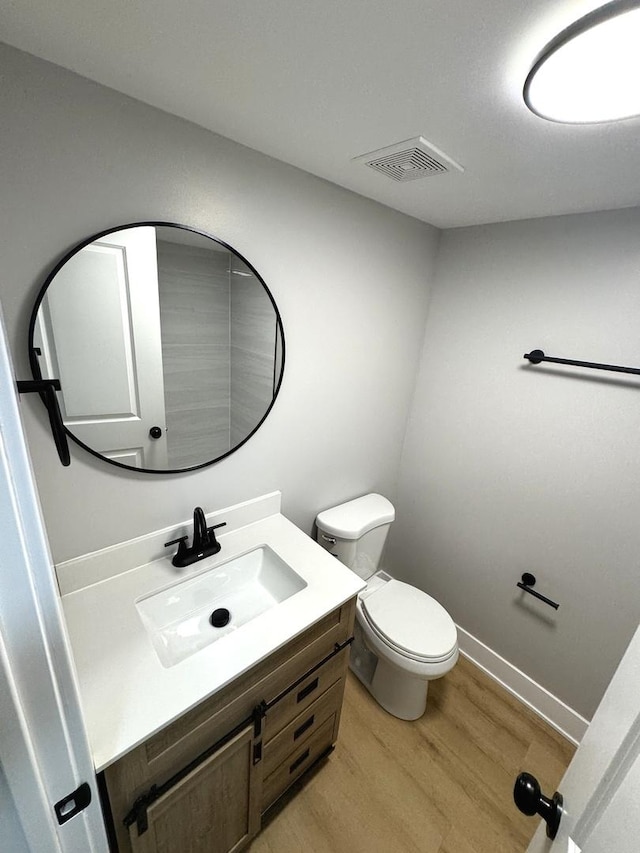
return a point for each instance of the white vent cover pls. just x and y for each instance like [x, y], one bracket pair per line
[409, 160]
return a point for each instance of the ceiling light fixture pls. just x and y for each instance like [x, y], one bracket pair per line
[591, 71]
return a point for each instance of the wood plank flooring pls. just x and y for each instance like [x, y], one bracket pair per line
[442, 784]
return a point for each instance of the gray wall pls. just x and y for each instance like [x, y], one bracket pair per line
[506, 468]
[510, 468]
[351, 279]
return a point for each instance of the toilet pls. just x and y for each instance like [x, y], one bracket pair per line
[403, 638]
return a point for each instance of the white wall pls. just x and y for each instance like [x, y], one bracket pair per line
[351, 279]
[13, 839]
[510, 468]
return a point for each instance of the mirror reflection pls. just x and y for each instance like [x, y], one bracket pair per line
[167, 343]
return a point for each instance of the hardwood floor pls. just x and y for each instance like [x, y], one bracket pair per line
[442, 784]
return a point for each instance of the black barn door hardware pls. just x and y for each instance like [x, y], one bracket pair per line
[529, 580]
[536, 356]
[47, 389]
[530, 801]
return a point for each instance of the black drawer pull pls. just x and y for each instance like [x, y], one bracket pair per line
[307, 690]
[302, 729]
[299, 761]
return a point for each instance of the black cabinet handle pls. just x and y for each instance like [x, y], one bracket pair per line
[529, 799]
[302, 729]
[299, 761]
[307, 690]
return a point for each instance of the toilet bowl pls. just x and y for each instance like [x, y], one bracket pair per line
[403, 638]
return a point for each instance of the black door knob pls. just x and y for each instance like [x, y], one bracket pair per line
[529, 799]
[155, 432]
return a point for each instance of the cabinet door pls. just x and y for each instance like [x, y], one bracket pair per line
[215, 809]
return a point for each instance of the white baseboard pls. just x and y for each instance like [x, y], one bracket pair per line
[560, 716]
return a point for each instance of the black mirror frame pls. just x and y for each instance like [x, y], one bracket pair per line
[35, 366]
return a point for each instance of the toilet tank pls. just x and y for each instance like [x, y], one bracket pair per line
[355, 532]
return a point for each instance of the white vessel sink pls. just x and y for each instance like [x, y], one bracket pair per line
[177, 618]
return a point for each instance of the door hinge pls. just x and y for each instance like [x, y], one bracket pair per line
[69, 806]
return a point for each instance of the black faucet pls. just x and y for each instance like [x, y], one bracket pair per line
[204, 542]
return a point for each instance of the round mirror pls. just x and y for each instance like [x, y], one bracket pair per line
[167, 343]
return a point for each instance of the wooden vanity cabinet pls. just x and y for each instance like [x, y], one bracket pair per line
[221, 765]
[188, 816]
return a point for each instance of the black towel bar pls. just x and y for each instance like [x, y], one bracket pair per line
[529, 580]
[536, 356]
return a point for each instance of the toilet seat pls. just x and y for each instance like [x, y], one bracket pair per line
[412, 623]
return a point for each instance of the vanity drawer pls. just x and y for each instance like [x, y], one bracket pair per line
[304, 694]
[300, 760]
[303, 727]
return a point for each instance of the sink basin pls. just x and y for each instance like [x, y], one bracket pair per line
[178, 618]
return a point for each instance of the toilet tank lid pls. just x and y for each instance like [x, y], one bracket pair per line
[355, 518]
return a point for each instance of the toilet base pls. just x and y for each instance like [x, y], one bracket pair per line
[399, 693]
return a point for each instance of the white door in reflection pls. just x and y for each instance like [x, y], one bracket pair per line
[107, 349]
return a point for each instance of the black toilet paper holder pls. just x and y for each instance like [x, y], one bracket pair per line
[528, 580]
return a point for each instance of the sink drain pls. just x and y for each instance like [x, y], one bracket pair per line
[220, 617]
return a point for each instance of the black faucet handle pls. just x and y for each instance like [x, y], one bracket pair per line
[176, 541]
[211, 536]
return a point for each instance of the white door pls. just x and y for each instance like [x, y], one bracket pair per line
[44, 755]
[99, 333]
[601, 788]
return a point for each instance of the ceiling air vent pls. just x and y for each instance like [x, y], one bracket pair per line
[409, 160]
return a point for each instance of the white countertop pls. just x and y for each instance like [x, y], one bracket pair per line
[127, 694]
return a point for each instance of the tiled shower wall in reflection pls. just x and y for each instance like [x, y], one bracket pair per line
[194, 316]
[253, 341]
[218, 341]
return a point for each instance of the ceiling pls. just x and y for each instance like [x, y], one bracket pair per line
[318, 83]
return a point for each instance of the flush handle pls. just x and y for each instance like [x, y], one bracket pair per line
[328, 539]
[529, 799]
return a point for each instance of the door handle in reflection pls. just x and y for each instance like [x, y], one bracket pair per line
[530, 800]
[155, 432]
